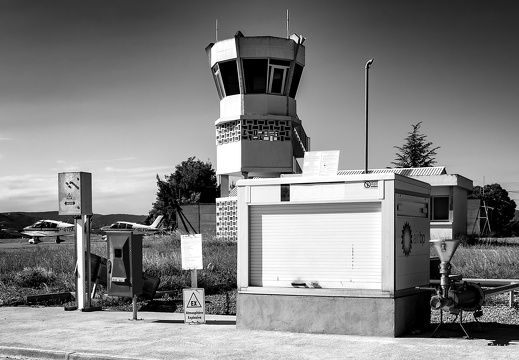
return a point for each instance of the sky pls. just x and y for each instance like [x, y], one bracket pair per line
[122, 88]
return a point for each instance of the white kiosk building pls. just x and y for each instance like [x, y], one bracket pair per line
[333, 254]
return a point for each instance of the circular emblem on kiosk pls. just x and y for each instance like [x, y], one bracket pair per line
[407, 239]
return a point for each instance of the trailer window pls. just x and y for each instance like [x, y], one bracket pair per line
[440, 208]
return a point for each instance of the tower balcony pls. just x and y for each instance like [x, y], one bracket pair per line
[235, 106]
[260, 147]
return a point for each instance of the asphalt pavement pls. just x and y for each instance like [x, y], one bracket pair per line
[52, 333]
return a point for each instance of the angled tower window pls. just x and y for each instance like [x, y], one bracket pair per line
[218, 81]
[278, 71]
[226, 78]
[229, 75]
[296, 78]
[255, 74]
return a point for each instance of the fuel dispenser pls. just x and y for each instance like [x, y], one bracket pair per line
[124, 263]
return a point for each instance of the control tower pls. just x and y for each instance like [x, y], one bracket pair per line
[258, 133]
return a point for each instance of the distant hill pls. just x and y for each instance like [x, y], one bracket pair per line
[15, 221]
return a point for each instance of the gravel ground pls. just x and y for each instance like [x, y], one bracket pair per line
[496, 309]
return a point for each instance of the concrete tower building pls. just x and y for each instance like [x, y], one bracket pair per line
[258, 133]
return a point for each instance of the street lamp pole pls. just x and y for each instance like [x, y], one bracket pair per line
[368, 64]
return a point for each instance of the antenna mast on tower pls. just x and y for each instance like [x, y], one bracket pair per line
[288, 25]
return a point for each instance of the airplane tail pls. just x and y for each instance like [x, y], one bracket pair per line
[157, 221]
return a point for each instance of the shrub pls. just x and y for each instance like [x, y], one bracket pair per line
[34, 277]
[467, 239]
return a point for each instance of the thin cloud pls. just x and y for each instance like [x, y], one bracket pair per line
[28, 192]
[130, 158]
[138, 170]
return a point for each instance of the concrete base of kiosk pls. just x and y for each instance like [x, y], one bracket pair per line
[370, 316]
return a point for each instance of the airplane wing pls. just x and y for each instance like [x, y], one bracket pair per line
[35, 233]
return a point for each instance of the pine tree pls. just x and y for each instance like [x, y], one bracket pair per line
[416, 151]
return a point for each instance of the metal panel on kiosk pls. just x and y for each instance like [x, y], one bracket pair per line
[125, 263]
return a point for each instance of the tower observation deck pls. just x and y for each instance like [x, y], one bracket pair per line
[258, 133]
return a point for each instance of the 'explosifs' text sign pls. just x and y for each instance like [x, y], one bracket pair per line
[194, 306]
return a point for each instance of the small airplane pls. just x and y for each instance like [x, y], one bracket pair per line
[48, 228]
[136, 227]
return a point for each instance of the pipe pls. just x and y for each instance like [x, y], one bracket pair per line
[445, 270]
[500, 289]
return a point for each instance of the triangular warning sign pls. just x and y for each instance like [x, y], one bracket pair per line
[69, 196]
[193, 302]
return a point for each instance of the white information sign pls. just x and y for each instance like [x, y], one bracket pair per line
[194, 306]
[191, 249]
[321, 163]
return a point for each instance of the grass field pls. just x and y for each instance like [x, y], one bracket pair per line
[48, 268]
[488, 259]
[38, 269]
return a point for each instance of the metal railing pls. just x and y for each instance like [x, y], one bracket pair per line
[301, 139]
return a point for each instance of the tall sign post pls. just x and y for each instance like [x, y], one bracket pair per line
[194, 298]
[368, 64]
[75, 198]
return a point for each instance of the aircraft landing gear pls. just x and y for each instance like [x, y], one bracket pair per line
[58, 240]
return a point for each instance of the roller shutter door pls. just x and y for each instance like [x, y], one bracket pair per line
[321, 245]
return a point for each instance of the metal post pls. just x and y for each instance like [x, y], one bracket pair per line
[368, 64]
[76, 271]
[134, 305]
[194, 283]
[80, 248]
[89, 261]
